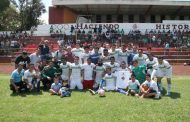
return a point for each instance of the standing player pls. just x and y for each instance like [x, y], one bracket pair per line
[139, 71]
[105, 56]
[164, 69]
[114, 66]
[22, 58]
[123, 55]
[151, 63]
[88, 69]
[78, 52]
[113, 52]
[99, 73]
[64, 66]
[75, 74]
[140, 57]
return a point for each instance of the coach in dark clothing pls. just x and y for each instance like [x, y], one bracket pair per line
[24, 58]
[44, 48]
[47, 75]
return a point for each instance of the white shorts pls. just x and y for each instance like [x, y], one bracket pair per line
[166, 73]
[109, 88]
[74, 84]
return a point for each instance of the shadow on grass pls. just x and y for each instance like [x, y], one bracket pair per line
[25, 94]
[174, 95]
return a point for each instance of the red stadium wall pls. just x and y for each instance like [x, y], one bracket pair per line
[61, 14]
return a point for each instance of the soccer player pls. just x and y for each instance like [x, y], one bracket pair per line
[31, 78]
[16, 83]
[95, 56]
[35, 58]
[75, 74]
[88, 77]
[86, 54]
[149, 88]
[105, 57]
[123, 55]
[113, 52]
[109, 80]
[78, 52]
[99, 73]
[164, 69]
[122, 76]
[114, 66]
[139, 71]
[64, 66]
[55, 87]
[133, 87]
[140, 57]
[151, 63]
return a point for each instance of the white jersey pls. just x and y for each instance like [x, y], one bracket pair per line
[141, 60]
[114, 54]
[105, 58]
[122, 78]
[76, 72]
[65, 70]
[99, 73]
[152, 84]
[110, 83]
[35, 59]
[114, 66]
[164, 66]
[85, 56]
[134, 85]
[29, 75]
[123, 56]
[78, 52]
[88, 71]
[151, 65]
[57, 54]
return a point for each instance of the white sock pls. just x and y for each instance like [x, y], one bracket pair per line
[160, 86]
[169, 88]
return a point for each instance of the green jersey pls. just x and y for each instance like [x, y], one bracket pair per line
[140, 73]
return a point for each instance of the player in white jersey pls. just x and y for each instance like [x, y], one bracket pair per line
[86, 54]
[122, 75]
[109, 79]
[99, 73]
[113, 52]
[78, 52]
[65, 67]
[31, 78]
[133, 87]
[114, 66]
[35, 58]
[88, 69]
[163, 69]
[75, 74]
[149, 88]
[140, 57]
[123, 55]
[151, 63]
[105, 57]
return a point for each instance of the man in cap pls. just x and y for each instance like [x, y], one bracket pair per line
[24, 58]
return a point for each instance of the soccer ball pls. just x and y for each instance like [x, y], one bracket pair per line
[101, 93]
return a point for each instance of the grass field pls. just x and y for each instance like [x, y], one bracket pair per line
[81, 106]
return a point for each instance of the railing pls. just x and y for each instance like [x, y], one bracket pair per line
[121, 2]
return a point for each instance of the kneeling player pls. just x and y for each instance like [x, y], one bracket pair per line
[149, 88]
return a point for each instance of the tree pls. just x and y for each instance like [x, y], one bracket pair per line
[30, 11]
[3, 5]
[9, 19]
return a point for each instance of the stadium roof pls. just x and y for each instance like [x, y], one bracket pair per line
[142, 7]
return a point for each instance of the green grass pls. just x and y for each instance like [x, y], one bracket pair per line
[84, 107]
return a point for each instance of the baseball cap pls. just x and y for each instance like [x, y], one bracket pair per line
[24, 53]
